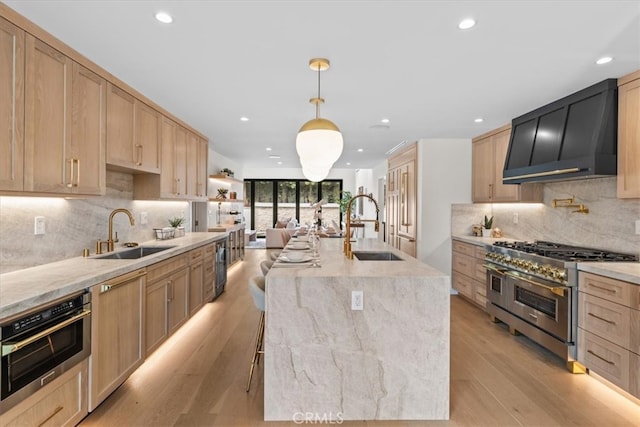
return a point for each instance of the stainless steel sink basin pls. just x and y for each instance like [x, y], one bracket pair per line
[135, 253]
[376, 256]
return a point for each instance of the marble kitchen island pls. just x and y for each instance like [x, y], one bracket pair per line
[325, 361]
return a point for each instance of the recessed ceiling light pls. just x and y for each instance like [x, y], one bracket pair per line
[360, 150]
[279, 163]
[466, 23]
[384, 121]
[479, 120]
[164, 17]
[348, 163]
[604, 60]
[274, 156]
[244, 119]
[268, 148]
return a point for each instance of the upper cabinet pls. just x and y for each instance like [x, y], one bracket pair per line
[64, 117]
[489, 153]
[629, 136]
[133, 130]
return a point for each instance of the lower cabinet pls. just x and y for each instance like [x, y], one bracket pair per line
[166, 300]
[468, 272]
[609, 329]
[209, 275]
[62, 403]
[196, 271]
[117, 332]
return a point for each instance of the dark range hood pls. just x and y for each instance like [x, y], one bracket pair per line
[573, 137]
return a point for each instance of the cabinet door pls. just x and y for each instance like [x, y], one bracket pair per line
[181, 164]
[629, 139]
[11, 106]
[482, 170]
[47, 118]
[192, 160]
[86, 157]
[195, 287]
[203, 155]
[502, 192]
[155, 315]
[120, 127]
[147, 123]
[177, 293]
[169, 186]
[407, 200]
[116, 333]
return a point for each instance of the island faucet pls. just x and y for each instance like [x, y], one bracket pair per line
[347, 238]
[110, 241]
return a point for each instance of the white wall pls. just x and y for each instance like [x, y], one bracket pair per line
[444, 178]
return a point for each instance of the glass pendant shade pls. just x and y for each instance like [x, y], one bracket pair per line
[319, 141]
[315, 173]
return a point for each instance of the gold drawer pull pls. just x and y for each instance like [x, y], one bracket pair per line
[601, 358]
[55, 412]
[611, 322]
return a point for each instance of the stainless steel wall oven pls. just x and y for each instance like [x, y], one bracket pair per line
[41, 344]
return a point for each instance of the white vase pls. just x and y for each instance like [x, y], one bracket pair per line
[486, 232]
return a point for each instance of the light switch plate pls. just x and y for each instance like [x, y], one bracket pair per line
[357, 300]
[144, 218]
[38, 225]
[637, 226]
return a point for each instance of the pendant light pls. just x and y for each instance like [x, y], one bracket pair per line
[319, 140]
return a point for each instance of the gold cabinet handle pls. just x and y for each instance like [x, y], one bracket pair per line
[611, 322]
[114, 283]
[139, 155]
[53, 414]
[77, 162]
[69, 183]
[556, 290]
[602, 288]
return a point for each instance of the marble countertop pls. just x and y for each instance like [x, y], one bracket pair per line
[226, 227]
[478, 241]
[25, 289]
[627, 271]
[335, 263]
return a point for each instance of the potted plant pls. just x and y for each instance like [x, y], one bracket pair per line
[227, 172]
[346, 196]
[488, 223]
[176, 223]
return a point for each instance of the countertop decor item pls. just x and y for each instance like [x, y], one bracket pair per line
[222, 193]
[176, 222]
[486, 226]
[227, 172]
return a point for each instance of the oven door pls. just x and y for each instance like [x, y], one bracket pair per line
[541, 303]
[34, 358]
[496, 286]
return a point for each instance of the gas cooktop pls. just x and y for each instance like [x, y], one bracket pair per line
[566, 252]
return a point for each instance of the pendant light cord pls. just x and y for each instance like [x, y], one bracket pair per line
[318, 102]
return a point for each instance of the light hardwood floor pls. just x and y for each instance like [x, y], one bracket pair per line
[198, 377]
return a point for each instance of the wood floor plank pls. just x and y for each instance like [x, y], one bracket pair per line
[198, 377]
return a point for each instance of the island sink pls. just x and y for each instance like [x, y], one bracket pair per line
[135, 253]
[376, 256]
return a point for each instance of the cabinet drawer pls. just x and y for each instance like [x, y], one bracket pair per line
[481, 300]
[209, 250]
[480, 271]
[464, 248]
[464, 264]
[481, 288]
[624, 293]
[63, 402]
[634, 375]
[195, 255]
[604, 358]
[164, 268]
[463, 284]
[606, 319]
[480, 252]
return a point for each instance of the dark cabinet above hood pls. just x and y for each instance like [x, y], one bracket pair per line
[573, 137]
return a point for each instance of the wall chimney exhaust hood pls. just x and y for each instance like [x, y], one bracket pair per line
[573, 137]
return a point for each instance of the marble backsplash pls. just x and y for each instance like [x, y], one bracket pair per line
[610, 223]
[74, 224]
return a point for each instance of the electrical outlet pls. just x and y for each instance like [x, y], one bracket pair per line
[38, 225]
[637, 226]
[144, 218]
[357, 300]
[515, 217]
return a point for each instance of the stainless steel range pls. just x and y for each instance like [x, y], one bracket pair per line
[532, 287]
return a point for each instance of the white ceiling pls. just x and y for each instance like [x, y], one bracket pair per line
[402, 60]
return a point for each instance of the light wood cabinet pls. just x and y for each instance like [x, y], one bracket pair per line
[196, 280]
[209, 275]
[197, 152]
[117, 332]
[63, 402]
[166, 300]
[468, 272]
[203, 173]
[629, 136]
[12, 41]
[401, 200]
[609, 329]
[132, 133]
[489, 152]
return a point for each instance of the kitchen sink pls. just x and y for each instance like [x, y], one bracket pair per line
[376, 256]
[135, 253]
